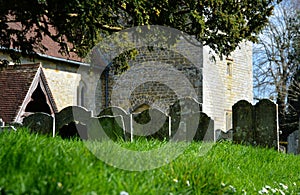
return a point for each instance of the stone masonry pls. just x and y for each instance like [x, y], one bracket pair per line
[222, 90]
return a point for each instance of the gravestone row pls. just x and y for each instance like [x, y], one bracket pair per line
[76, 121]
[252, 125]
[184, 122]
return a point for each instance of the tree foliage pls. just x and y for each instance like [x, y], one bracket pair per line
[295, 54]
[294, 88]
[276, 60]
[220, 24]
[274, 65]
[294, 94]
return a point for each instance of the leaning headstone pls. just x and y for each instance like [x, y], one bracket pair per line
[242, 122]
[39, 123]
[293, 142]
[151, 123]
[106, 128]
[205, 130]
[71, 120]
[266, 127]
[185, 114]
[118, 111]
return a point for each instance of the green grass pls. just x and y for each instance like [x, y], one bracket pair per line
[35, 164]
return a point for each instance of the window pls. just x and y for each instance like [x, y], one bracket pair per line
[229, 64]
[229, 69]
[81, 92]
[228, 120]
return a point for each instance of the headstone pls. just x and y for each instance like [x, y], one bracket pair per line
[218, 134]
[266, 126]
[293, 142]
[39, 123]
[2, 123]
[106, 128]
[222, 135]
[71, 121]
[151, 123]
[205, 130]
[8, 128]
[118, 111]
[243, 121]
[282, 149]
[185, 115]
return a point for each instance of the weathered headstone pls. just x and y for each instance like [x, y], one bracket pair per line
[293, 142]
[243, 121]
[118, 111]
[71, 122]
[39, 123]
[151, 123]
[8, 128]
[106, 128]
[266, 126]
[185, 115]
[205, 130]
[221, 135]
[2, 123]
[218, 134]
[256, 125]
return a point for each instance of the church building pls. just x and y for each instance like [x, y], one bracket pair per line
[156, 78]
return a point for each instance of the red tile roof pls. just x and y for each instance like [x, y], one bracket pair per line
[53, 50]
[15, 82]
[52, 46]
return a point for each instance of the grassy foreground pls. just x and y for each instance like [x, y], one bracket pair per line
[35, 164]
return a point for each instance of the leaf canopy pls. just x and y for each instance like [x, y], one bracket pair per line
[220, 24]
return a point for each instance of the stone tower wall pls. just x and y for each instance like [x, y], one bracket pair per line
[222, 88]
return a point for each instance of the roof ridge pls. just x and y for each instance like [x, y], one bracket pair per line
[10, 68]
